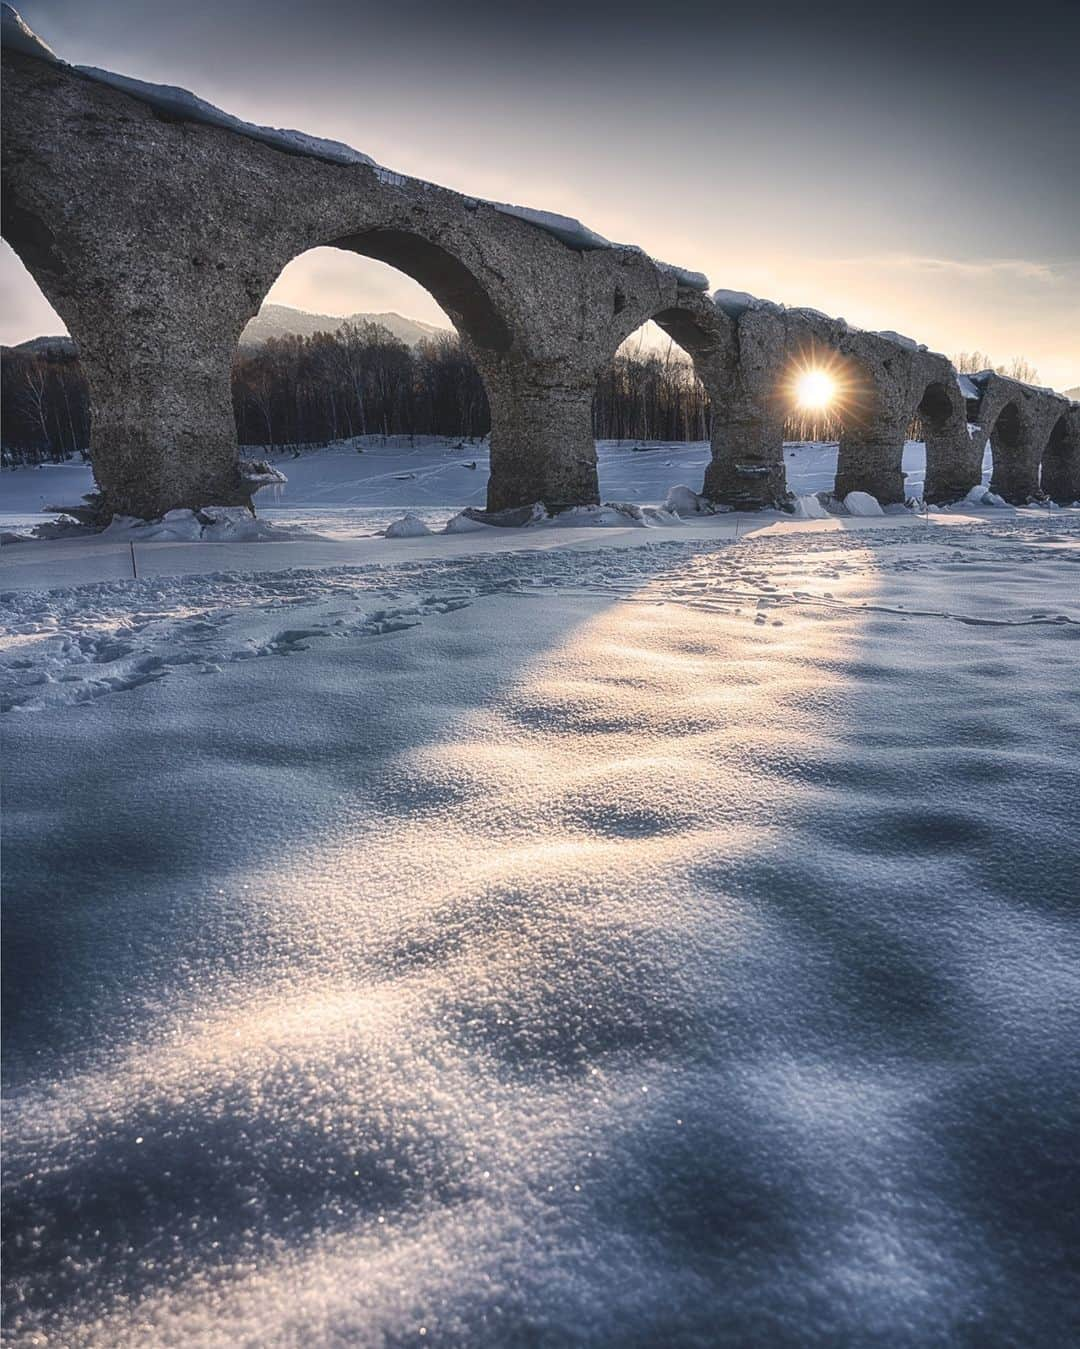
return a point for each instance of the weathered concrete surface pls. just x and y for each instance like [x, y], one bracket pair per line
[1061, 458]
[1018, 421]
[882, 383]
[156, 290]
[157, 239]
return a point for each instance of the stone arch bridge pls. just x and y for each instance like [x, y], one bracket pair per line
[155, 225]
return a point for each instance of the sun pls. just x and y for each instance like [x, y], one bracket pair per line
[815, 390]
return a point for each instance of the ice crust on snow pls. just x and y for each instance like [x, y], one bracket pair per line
[981, 495]
[570, 231]
[186, 106]
[683, 500]
[737, 302]
[617, 513]
[567, 229]
[691, 280]
[900, 340]
[211, 524]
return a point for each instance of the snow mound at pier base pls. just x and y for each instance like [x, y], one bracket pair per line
[863, 504]
[408, 527]
[210, 524]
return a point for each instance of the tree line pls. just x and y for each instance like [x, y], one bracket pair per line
[44, 405]
[361, 380]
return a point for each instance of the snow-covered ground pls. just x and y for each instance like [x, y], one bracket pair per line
[560, 936]
[340, 492]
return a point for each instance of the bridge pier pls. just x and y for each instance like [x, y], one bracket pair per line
[953, 466]
[747, 466]
[163, 435]
[156, 296]
[542, 446]
[743, 375]
[953, 454]
[1017, 450]
[870, 459]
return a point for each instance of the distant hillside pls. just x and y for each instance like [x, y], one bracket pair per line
[43, 346]
[277, 320]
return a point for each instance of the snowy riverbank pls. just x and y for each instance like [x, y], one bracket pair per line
[338, 492]
[611, 935]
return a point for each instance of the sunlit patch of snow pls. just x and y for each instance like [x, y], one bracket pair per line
[692, 920]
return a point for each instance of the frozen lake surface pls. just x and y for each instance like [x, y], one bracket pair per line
[610, 937]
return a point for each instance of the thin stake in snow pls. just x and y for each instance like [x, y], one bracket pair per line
[134, 569]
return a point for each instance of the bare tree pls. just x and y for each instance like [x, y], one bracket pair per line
[974, 362]
[34, 399]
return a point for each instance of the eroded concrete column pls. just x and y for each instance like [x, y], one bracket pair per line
[747, 466]
[953, 452]
[870, 459]
[1017, 450]
[953, 465]
[743, 379]
[163, 435]
[542, 446]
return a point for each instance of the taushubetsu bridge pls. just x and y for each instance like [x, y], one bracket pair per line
[155, 225]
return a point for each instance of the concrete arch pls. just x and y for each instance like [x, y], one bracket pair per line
[1006, 445]
[483, 320]
[701, 330]
[1017, 420]
[444, 275]
[876, 375]
[872, 441]
[157, 300]
[156, 297]
[1060, 476]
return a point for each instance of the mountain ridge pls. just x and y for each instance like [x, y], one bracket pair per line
[280, 320]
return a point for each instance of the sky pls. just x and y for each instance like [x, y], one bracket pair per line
[909, 167]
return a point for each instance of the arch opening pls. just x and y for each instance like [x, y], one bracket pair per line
[822, 393]
[935, 409]
[685, 331]
[1002, 447]
[651, 411]
[44, 402]
[1006, 432]
[444, 276]
[348, 366]
[1060, 473]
